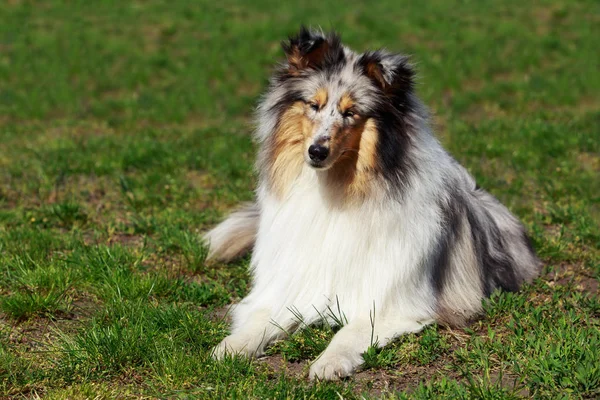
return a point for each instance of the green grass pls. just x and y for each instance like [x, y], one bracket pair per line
[124, 133]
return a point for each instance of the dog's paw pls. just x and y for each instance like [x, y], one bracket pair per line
[334, 366]
[234, 345]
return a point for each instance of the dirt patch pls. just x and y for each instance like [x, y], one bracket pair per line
[126, 240]
[94, 238]
[38, 334]
[172, 265]
[589, 161]
[574, 275]
[477, 85]
[584, 106]
[376, 382]
[277, 365]
[200, 180]
[404, 379]
[483, 111]
[221, 314]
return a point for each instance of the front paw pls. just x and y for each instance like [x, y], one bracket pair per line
[334, 366]
[235, 345]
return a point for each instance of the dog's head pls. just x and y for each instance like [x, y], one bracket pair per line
[337, 91]
[327, 105]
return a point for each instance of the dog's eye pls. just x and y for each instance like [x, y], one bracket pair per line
[348, 114]
[314, 106]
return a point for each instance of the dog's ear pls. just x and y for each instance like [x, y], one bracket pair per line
[392, 73]
[310, 49]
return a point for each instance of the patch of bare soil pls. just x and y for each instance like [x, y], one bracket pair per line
[277, 364]
[574, 275]
[376, 382]
[37, 334]
[221, 314]
[404, 379]
[94, 238]
[589, 161]
[126, 240]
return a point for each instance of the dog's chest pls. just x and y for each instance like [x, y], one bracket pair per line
[309, 254]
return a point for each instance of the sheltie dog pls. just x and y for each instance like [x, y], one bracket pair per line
[361, 218]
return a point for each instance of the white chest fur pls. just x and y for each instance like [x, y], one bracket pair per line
[312, 257]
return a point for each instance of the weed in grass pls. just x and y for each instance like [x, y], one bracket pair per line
[432, 345]
[306, 342]
[63, 215]
[443, 388]
[376, 357]
[68, 214]
[422, 349]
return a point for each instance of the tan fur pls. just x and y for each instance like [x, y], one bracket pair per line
[373, 71]
[295, 60]
[287, 156]
[356, 167]
[354, 147]
[321, 97]
[346, 103]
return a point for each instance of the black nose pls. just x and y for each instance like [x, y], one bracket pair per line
[316, 152]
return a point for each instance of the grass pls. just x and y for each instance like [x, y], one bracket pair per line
[124, 133]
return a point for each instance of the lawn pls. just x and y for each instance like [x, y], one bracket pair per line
[125, 133]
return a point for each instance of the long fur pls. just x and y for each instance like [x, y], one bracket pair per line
[234, 236]
[387, 234]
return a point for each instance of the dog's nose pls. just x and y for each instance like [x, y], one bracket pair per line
[316, 152]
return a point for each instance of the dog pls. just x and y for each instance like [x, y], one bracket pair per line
[359, 209]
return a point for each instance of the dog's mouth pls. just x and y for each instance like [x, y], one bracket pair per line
[317, 165]
[320, 165]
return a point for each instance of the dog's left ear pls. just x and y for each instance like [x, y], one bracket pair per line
[392, 73]
[310, 49]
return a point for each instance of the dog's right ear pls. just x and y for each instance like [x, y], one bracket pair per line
[392, 73]
[308, 49]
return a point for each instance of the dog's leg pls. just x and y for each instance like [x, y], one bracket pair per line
[248, 339]
[252, 331]
[234, 236]
[344, 354]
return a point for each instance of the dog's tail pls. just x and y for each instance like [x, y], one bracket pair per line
[233, 237]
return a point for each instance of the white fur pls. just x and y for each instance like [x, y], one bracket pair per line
[426, 246]
[310, 257]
